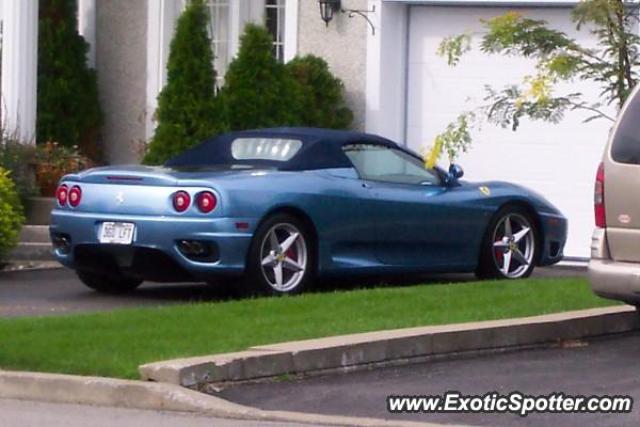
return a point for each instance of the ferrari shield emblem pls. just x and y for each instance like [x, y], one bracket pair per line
[120, 198]
[485, 190]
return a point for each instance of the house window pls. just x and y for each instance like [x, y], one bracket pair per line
[227, 21]
[274, 20]
[219, 33]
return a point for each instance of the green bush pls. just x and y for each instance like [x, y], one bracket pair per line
[188, 110]
[11, 218]
[19, 158]
[258, 91]
[323, 104]
[68, 108]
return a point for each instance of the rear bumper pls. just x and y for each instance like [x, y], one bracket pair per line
[612, 279]
[615, 280]
[159, 235]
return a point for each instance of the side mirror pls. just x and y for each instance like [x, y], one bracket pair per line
[455, 173]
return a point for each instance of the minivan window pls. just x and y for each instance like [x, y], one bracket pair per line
[625, 147]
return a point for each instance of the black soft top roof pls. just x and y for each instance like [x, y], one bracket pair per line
[321, 149]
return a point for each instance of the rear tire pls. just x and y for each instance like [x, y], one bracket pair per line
[108, 283]
[281, 258]
[510, 246]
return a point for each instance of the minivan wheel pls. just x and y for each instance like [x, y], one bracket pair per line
[281, 257]
[510, 246]
[112, 283]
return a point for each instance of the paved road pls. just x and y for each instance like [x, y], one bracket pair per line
[58, 291]
[605, 366]
[14, 413]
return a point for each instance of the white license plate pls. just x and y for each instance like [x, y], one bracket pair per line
[119, 233]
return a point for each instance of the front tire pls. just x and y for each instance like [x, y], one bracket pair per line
[510, 246]
[108, 283]
[281, 257]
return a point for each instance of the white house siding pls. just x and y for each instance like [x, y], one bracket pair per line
[559, 161]
[121, 62]
[343, 44]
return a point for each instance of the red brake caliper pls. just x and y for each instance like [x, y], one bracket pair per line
[499, 253]
[291, 253]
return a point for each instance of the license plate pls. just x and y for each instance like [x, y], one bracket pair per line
[119, 233]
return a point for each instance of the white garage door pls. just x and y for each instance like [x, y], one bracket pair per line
[559, 161]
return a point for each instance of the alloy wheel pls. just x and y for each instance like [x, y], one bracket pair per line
[283, 257]
[513, 245]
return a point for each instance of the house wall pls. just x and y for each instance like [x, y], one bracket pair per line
[387, 71]
[343, 44]
[121, 63]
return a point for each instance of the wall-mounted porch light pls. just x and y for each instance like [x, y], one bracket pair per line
[329, 7]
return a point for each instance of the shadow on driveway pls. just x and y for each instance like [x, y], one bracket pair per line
[58, 291]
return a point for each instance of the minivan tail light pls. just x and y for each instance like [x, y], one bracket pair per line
[206, 201]
[181, 201]
[598, 198]
[62, 194]
[75, 196]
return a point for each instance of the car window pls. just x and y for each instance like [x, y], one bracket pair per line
[386, 164]
[625, 147]
[265, 148]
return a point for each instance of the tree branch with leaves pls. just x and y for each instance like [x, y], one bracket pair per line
[613, 65]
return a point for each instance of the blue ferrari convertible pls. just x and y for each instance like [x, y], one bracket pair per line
[275, 208]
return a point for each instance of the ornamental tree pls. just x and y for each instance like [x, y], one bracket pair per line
[188, 109]
[68, 110]
[258, 90]
[613, 65]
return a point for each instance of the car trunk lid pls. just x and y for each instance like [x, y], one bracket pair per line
[138, 190]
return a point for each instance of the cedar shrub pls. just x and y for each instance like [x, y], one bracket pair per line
[188, 110]
[258, 90]
[68, 110]
[323, 104]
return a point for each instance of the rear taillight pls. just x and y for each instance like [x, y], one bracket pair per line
[62, 193]
[206, 201]
[181, 201]
[598, 198]
[75, 196]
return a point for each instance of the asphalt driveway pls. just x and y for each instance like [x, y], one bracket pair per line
[606, 366]
[58, 291]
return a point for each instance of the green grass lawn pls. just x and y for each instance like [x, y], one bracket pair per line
[115, 343]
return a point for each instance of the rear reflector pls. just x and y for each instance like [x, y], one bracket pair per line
[598, 198]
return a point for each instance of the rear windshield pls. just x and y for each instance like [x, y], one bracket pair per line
[625, 147]
[265, 149]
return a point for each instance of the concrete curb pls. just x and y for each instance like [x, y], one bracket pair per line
[157, 396]
[389, 347]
